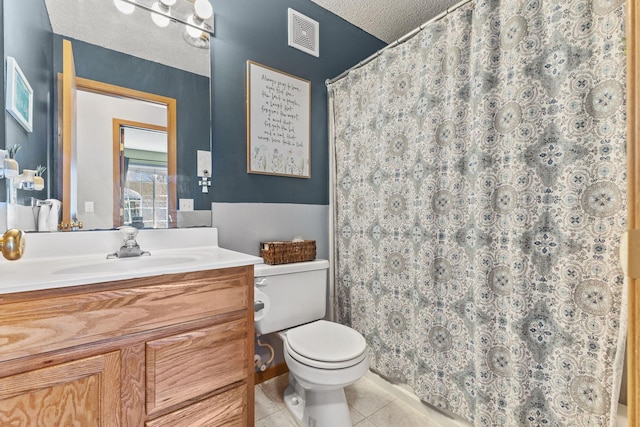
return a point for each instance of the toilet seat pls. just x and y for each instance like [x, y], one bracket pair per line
[325, 345]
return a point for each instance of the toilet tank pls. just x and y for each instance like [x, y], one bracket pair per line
[293, 294]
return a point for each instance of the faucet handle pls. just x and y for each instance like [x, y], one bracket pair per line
[128, 235]
[127, 230]
[129, 247]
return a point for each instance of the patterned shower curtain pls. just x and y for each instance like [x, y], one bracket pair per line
[480, 198]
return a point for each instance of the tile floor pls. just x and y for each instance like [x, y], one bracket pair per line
[370, 406]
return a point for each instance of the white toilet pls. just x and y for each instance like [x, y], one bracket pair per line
[323, 357]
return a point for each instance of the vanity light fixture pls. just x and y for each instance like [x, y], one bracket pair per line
[163, 11]
[202, 10]
[197, 16]
[125, 7]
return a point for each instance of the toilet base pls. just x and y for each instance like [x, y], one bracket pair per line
[317, 408]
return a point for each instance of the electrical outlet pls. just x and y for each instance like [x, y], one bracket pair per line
[186, 205]
[88, 207]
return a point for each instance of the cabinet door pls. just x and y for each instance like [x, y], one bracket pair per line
[84, 392]
[183, 367]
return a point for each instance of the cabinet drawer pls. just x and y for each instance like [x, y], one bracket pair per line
[88, 314]
[225, 409]
[183, 367]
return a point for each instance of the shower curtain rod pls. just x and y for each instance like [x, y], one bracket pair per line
[401, 40]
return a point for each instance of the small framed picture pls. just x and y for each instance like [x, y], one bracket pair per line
[19, 95]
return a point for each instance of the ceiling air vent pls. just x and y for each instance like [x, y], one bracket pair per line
[303, 33]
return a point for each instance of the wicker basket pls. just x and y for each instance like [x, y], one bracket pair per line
[287, 252]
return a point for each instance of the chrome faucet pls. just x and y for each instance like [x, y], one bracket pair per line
[129, 247]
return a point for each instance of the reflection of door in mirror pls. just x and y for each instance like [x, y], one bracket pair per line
[141, 181]
[99, 104]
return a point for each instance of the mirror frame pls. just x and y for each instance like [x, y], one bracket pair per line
[633, 206]
[67, 118]
[171, 105]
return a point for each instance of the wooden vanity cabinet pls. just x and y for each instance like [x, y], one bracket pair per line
[172, 350]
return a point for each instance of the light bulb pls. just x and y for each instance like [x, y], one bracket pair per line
[203, 9]
[157, 18]
[193, 32]
[124, 7]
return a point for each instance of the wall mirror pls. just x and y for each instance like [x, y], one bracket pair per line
[117, 51]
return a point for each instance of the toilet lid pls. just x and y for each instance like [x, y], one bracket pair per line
[326, 341]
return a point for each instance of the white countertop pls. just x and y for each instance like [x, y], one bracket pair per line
[55, 260]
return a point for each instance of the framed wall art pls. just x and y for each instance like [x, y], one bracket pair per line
[278, 122]
[19, 95]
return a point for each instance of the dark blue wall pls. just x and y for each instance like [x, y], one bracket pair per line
[29, 39]
[190, 90]
[245, 30]
[257, 30]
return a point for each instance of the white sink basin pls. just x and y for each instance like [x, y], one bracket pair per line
[128, 264]
[57, 260]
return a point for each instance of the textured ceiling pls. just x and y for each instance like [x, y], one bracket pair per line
[99, 22]
[387, 20]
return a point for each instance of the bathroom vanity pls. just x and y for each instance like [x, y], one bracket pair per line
[137, 345]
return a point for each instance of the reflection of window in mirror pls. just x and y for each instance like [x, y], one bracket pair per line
[144, 176]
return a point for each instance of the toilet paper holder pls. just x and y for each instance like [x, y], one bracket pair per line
[261, 304]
